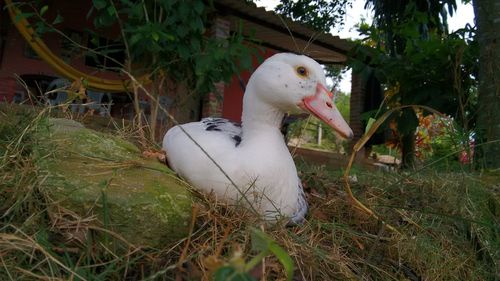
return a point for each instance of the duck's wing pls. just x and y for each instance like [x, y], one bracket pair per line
[224, 126]
[193, 149]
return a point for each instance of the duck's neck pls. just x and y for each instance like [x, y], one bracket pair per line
[260, 120]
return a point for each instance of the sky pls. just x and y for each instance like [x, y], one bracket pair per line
[463, 15]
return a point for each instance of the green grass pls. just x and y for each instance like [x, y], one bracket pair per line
[448, 225]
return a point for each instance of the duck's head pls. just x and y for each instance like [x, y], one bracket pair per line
[296, 83]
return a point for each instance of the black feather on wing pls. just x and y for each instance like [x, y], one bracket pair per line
[230, 128]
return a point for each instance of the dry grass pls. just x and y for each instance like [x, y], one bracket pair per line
[448, 228]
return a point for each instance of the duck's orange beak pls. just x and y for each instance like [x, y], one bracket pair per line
[321, 105]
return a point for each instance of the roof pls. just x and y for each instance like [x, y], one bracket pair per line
[283, 34]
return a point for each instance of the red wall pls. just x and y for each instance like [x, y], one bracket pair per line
[233, 92]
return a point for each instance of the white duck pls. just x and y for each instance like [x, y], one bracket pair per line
[254, 155]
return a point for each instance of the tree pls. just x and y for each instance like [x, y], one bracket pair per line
[319, 14]
[487, 14]
[399, 29]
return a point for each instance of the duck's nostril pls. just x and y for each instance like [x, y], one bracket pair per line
[329, 104]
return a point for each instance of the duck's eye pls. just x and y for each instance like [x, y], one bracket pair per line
[302, 71]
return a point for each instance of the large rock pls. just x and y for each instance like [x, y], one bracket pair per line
[89, 172]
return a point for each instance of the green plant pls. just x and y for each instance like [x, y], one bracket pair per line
[415, 58]
[319, 14]
[438, 72]
[168, 40]
[238, 269]
[170, 36]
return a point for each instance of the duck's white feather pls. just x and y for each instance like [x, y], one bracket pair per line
[259, 174]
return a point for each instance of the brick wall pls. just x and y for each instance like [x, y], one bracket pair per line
[212, 103]
[7, 89]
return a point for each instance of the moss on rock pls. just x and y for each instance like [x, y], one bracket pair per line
[89, 172]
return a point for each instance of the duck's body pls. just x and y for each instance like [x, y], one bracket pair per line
[258, 168]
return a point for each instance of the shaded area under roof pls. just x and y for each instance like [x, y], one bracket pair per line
[276, 32]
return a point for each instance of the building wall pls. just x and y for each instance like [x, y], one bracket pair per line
[227, 100]
[233, 92]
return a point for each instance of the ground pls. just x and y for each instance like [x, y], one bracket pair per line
[444, 225]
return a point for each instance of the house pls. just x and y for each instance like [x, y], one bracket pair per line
[275, 33]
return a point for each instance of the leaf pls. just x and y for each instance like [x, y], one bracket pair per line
[246, 62]
[262, 242]
[197, 24]
[21, 16]
[198, 6]
[195, 43]
[43, 10]
[111, 10]
[136, 37]
[184, 53]
[155, 36]
[99, 4]
[369, 124]
[58, 19]
[228, 273]
[169, 37]
[182, 31]
[284, 259]
[95, 40]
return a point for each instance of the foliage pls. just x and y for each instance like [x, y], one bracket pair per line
[443, 141]
[169, 37]
[437, 72]
[342, 103]
[319, 14]
[411, 54]
[322, 15]
[426, 17]
[334, 72]
[238, 270]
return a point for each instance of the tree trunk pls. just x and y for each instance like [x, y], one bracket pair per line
[487, 14]
[408, 158]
